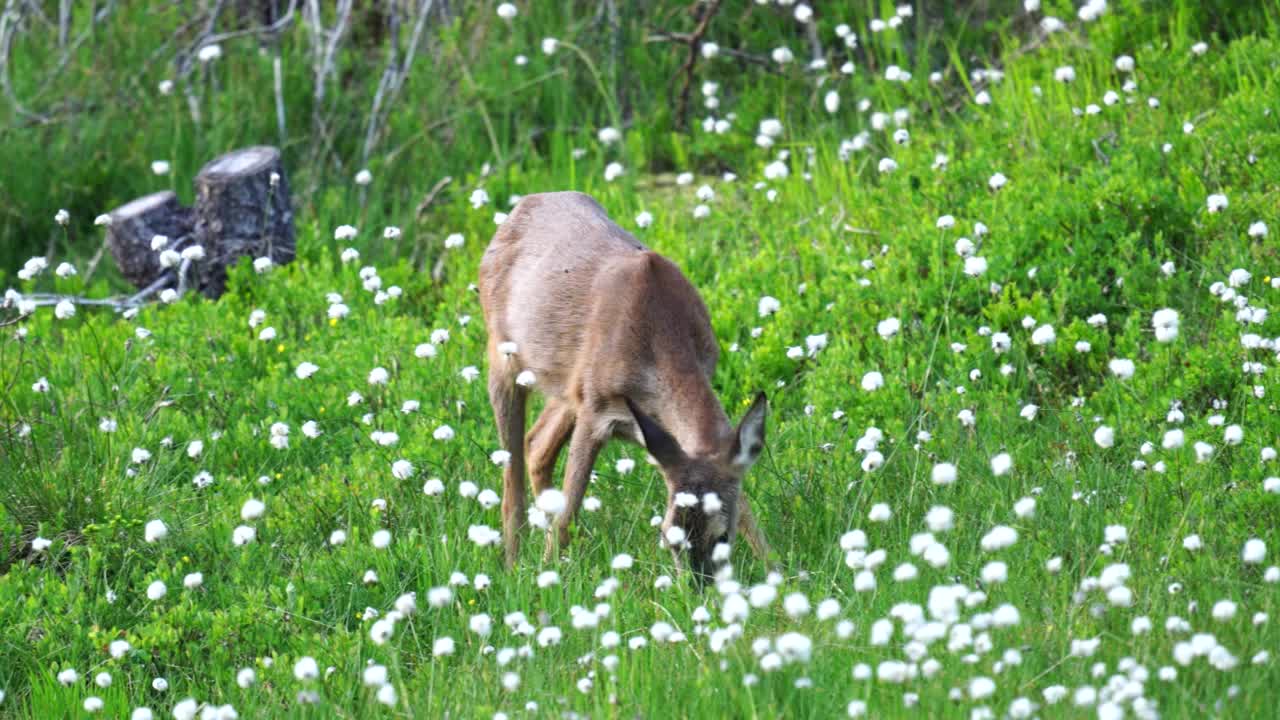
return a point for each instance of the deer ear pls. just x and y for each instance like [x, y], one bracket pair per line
[748, 442]
[660, 444]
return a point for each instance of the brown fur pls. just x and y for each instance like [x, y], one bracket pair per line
[621, 345]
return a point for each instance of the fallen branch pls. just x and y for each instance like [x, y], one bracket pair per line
[137, 299]
[119, 303]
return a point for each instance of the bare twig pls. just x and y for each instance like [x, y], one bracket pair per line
[431, 195]
[384, 82]
[148, 291]
[691, 60]
[394, 76]
[93, 262]
[683, 38]
[815, 43]
[9, 20]
[277, 70]
[64, 61]
[276, 27]
[64, 23]
[186, 58]
[1097, 147]
[437, 270]
[607, 16]
[859, 231]
[193, 104]
[325, 47]
[37, 12]
[182, 276]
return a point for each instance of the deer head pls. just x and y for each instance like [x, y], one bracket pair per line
[703, 492]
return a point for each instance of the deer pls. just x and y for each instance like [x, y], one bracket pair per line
[619, 344]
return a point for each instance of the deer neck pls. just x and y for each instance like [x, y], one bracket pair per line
[693, 415]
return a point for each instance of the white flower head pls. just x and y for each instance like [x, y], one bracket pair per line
[209, 53]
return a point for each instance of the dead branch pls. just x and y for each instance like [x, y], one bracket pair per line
[9, 20]
[683, 38]
[118, 302]
[691, 60]
[384, 82]
[815, 42]
[274, 28]
[277, 70]
[64, 23]
[1097, 147]
[93, 262]
[393, 76]
[431, 195]
[324, 49]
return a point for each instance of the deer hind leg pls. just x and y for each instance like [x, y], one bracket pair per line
[508, 402]
[584, 446]
[750, 530]
[545, 441]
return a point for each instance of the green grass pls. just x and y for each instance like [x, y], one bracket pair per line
[1093, 205]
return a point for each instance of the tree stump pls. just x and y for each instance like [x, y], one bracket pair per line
[242, 209]
[134, 225]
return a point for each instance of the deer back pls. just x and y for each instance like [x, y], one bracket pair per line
[598, 317]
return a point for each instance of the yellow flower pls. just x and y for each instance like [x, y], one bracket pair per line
[280, 348]
[278, 476]
[333, 322]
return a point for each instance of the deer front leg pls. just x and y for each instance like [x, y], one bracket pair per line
[750, 530]
[508, 402]
[584, 446]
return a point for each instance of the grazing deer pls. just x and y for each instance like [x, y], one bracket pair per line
[620, 344]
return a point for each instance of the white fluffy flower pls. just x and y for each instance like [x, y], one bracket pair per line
[943, 474]
[155, 531]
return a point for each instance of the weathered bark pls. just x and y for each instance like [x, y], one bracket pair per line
[242, 209]
[134, 225]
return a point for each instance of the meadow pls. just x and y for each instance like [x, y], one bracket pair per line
[1006, 279]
